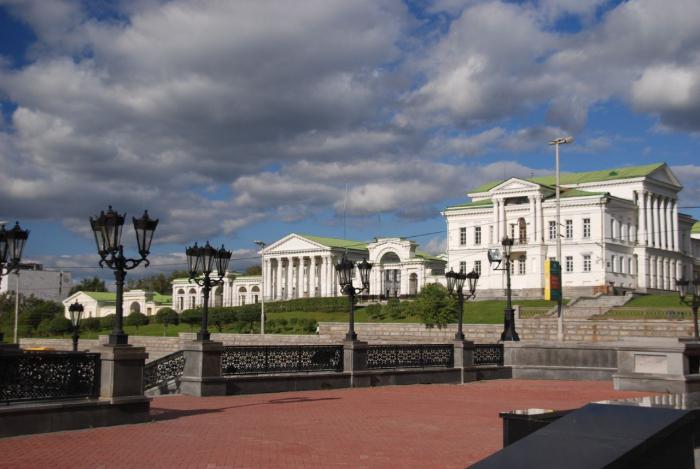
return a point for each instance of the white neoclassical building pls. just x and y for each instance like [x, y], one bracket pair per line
[619, 227]
[302, 266]
[100, 304]
[236, 290]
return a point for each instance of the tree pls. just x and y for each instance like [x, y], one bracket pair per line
[136, 319]
[107, 322]
[248, 317]
[89, 284]
[253, 270]
[60, 325]
[90, 324]
[33, 310]
[191, 317]
[435, 306]
[167, 316]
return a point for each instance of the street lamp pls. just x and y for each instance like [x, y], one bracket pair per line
[201, 261]
[76, 312]
[107, 229]
[455, 283]
[694, 300]
[262, 245]
[556, 142]
[345, 269]
[494, 256]
[11, 246]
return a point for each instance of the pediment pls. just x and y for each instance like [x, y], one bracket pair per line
[665, 175]
[294, 242]
[515, 184]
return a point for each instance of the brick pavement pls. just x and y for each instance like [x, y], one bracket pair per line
[421, 426]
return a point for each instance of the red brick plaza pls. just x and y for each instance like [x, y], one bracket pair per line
[399, 426]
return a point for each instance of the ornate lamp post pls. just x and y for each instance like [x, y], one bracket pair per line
[345, 269]
[76, 313]
[694, 300]
[455, 283]
[494, 256]
[107, 228]
[201, 262]
[11, 246]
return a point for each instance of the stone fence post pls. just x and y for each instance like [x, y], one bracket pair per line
[202, 373]
[121, 376]
[463, 356]
[354, 360]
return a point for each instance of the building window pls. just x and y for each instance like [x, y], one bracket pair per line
[586, 228]
[552, 230]
[629, 266]
[587, 263]
[463, 266]
[569, 264]
[490, 234]
[612, 263]
[612, 229]
[522, 231]
[462, 236]
[569, 229]
[477, 235]
[521, 265]
[619, 267]
[477, 267]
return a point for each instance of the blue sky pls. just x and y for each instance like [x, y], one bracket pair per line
[238, 121]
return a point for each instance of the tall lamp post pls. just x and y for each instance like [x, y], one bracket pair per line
[455, 284]
[509, 332]
[556, 142]
[262, 245]
[11, 246]
[107, 228]
[694, 300]
[76, 313]
[345, 269]
[201, 262]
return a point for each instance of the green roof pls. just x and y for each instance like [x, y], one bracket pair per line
[337, 243]
[696, 228]
[428, 257]
[578, 193]
[162, 299]
[582, 178]
[104, 296]
[478, 204]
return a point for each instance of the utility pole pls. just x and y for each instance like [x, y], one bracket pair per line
[16, 306]
[262, 245]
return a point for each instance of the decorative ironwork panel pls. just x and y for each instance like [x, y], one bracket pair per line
[241, 360]
[163, 370]
[410, 356]
[29, 376]
[488, 354]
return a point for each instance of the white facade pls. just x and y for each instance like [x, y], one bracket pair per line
[101, 304]
[237, 290]
[618, 227]
[33, 280]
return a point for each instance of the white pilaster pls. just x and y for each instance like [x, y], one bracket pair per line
[540, 219]
[657, 220]
[502, 221]
[531, 236]
[674, 222]
[496, 227]
[642, 215]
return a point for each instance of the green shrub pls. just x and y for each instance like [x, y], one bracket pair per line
[107, 322]
[375, 311]
[60, 325]
[167, 316]
[90, 324]
[326, 305]
[393, 309]
[434, 306]
[136, 319]
[43, 329]
[191, 317]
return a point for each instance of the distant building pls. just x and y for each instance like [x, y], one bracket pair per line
[34, 280]
[236, 290]
[619, 228]
[100, 304]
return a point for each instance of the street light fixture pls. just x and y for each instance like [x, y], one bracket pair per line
[11, 246]
[345, 269]
[455, 283]
[694, 300]
[262, 245]
[201, 262]
[76, 313]
[107, 229]
[495, 257]
[556, 142]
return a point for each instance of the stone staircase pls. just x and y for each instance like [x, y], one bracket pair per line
[585, 307]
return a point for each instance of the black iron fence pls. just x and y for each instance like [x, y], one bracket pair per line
[31, 376]
[243, 360]
[488, 354]
[410, 356]
[167, 368]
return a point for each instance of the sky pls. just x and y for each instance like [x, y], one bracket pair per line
[236, 121]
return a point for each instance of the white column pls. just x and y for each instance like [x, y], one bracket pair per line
[674, 220]
[325, 285]
[669, 224]
[651, 213]
[664, 223]
[280, 278]
[302, 285]
[502, 221]
[495, 222]
[540, 218]
[642, 215]
[532, 236]
[312, 276]
[657, 223]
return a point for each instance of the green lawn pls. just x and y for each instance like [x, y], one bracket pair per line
[665, 301]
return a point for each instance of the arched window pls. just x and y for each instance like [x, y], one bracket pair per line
[522, 231]
[256, 294]
[135, 307]
[242, 294]
[413, 284]
[521, 265]
[193, 298]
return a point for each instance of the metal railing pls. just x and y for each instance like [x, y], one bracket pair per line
[488, 354]
[245, 360]
[410, 356]
[164, 369]
[43, 375]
